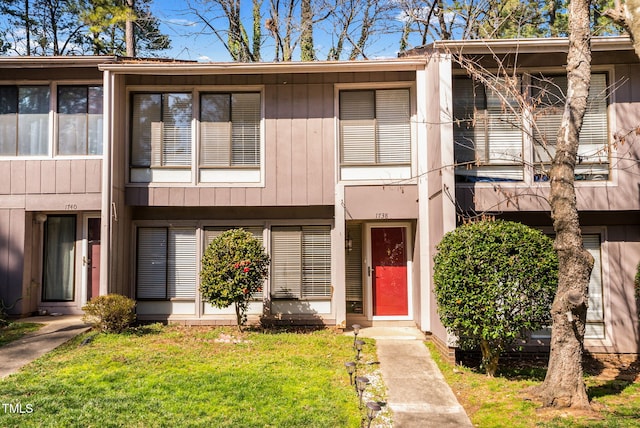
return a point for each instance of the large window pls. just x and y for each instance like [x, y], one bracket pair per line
[301, 262]
[488, 131]
[166, 263]
[59, 258]
[79, 120]
[375, 127]
[491, 127]
[593, 155]
[24, 120]
[230, 130]
[161, 130]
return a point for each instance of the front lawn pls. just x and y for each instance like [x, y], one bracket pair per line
[504, 401]
[15, 330]
[188, 376]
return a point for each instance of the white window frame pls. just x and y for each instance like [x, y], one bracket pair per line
[528, 156]
[376, 173]
[195, 175]
[52, 126]
[273, 293]
[192, 296]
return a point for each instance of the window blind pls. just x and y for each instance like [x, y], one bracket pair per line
[353, 264]
[375, 127]
[316, 261]
[151, 274]
[286, 263]
[181, 263]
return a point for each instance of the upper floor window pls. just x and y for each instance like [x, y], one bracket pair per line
[375, 127]
[548, 93]
[25, 114]
[219, 144]
[80, 120]
[375, 134]
[24, 120]
[230, 129]
[161, 130]
[491, 128]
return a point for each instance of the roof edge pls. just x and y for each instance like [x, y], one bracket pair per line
[533, 45]
[141, 67]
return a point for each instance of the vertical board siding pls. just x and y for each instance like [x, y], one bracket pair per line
[78, 177]
[32, 180]
[48, 177]
[5, 178]
[18, 177]
[315, 140]
[63, 176]
[283, 124]
[299, 145]
[12, 248]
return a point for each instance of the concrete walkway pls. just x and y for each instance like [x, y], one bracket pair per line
[417, 392]
[56, 331]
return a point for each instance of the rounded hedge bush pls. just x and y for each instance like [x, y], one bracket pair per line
[494, 282]
[112, 313]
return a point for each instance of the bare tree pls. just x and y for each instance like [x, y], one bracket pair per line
[564, 385]
[627, 15]
[233, 36]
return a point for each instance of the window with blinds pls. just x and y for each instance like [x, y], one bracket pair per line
[230, 129]
[595, 328]
[301, 262]
[353, 269]
[166, 263]
[487, 131]
[80, 120]
[161, 130]
[24, 120]
[375, 127]
[548, 93]
[595, 312]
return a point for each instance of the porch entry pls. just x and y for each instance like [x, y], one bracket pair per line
[71, 253]
[388, 271]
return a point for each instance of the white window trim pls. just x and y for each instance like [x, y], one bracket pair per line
[195, 169]
[52, 140]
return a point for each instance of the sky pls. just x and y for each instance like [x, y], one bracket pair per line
[189, 41]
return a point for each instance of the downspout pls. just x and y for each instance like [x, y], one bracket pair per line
[106, 212]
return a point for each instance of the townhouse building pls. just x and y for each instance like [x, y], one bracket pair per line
[117, 173]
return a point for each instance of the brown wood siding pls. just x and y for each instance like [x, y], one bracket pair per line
[299, 135]
[12, 248]
[42, 177]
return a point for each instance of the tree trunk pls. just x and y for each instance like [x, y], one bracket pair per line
[563, 385]
[627, 15]
[306, 38]
[129, 33]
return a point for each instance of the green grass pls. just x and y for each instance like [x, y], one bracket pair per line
[16, 330]
[503, 401]
[179, 376]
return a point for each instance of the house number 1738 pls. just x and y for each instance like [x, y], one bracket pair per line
[382, 215]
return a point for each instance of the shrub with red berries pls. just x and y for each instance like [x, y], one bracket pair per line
[234, 268]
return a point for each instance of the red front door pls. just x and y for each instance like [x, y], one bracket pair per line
[389, 271]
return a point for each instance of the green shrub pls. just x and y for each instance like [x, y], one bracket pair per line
[112, 313]
[234, 266]
[494, 282]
